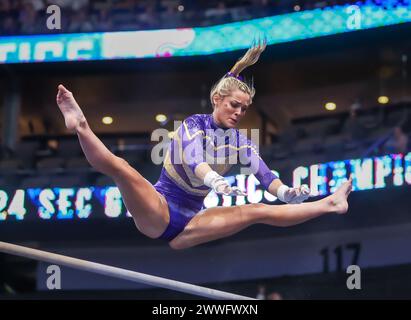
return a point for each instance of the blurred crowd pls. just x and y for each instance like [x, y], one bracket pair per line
[29, 16]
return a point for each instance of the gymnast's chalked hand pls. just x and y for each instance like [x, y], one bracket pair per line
[297, 195]
[225, 189]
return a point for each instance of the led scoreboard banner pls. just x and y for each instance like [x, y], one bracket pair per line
[389, 171]
[204, 40]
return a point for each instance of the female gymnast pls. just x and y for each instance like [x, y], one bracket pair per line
[172, 208]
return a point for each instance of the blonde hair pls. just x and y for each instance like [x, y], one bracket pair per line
[232, 80]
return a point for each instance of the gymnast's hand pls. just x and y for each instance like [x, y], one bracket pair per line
[221, 186]
[293, 195]
[228, 190]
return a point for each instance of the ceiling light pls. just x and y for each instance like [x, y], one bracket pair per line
[107, 120]
[383, 99]
[330, 106]
[161, 118]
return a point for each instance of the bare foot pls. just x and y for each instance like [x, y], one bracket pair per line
[338, 200]
[73, 116]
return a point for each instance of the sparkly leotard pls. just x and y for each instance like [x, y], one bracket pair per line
[197, 140]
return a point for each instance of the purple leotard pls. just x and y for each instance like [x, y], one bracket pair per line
[197, 140]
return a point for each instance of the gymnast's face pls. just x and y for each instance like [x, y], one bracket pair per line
[229, 110]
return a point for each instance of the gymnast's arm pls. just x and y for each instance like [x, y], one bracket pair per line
[274, 185]
[264, 175]
[202, 169]
[215, 181]
[192, 141]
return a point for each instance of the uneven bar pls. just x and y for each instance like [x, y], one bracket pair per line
[117, 272]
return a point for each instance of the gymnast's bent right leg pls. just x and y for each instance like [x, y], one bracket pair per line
[148, 208]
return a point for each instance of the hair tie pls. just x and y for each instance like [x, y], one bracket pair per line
[230, 74]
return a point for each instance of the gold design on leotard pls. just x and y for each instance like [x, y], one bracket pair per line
[194, 180]
[191, 137]
[178, 180]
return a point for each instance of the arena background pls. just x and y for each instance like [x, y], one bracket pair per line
[363, 71]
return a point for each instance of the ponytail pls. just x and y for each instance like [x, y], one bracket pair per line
[232, 80]
[251, 57]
